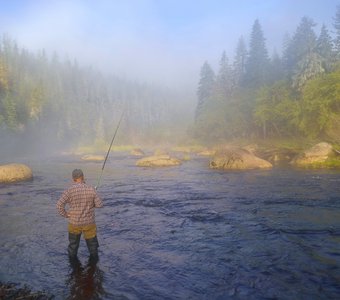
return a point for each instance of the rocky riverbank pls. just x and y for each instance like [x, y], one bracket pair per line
[14, 292]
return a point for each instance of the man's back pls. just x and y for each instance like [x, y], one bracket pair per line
[82, 200]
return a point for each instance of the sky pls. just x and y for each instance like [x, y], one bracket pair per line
[154, 41]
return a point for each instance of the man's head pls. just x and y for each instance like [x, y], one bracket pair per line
[77, 175]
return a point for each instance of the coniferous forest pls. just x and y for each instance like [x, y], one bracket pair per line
[55, 102]
[293, 93]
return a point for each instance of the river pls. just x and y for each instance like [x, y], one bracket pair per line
[185, 232]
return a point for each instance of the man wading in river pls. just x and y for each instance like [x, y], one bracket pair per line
[82, 200]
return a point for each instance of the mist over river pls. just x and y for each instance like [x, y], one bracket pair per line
[185, 232]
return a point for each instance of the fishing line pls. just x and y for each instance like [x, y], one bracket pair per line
[108, 151]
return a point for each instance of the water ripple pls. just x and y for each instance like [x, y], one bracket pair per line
[181, 233]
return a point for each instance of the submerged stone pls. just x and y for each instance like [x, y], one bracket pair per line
[158, 161]
[137, 152]
[93, 157]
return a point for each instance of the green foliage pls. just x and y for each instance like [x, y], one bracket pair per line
[36, 102]
[321, 103]
[10, 113]
[277, 112]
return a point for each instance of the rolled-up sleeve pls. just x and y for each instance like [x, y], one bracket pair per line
[97, 201]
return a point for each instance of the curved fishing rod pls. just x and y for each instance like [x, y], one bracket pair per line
[108, 151]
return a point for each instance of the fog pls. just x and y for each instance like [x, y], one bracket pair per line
[159, 41]
[149, 55]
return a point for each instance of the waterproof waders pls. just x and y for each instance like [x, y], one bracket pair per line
[73, 246]
[92, 246]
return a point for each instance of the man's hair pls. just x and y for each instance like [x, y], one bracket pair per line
[77, 173]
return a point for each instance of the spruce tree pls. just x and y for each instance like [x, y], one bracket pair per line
[324, 47]
[239, 62]
[257, 62]
[337, 32]
[205, 90]
[224, 79]
[302, 43]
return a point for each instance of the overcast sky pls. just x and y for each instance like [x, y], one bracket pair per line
[154, 40]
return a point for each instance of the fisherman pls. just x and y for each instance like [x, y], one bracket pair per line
[82, 200]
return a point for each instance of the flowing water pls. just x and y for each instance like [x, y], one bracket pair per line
[184, 232]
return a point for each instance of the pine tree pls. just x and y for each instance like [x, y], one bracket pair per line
[257, 62]
[337, 32]
[205, 89]
[324, 47]
[239, 62]
[224, 78]
[302, 43]
[276, 69]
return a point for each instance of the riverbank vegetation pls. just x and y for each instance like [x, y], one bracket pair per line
[292, 96]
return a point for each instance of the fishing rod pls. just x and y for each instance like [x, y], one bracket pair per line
[108, 151]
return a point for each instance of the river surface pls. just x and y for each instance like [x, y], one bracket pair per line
[185, 232]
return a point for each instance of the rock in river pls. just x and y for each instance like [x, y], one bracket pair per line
[14, 173]
[93, 157]
[237, 159]
[158, 161]
[319, 153]
[137, 152]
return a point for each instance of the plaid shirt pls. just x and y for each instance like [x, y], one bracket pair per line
[82, 200]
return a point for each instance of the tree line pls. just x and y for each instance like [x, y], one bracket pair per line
[47, 98]
[295, 94]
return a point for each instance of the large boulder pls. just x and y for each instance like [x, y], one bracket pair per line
[14, 173]
[319, 153]
[237, 159]
[158, 161]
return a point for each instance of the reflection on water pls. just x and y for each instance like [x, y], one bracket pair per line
[85, 282]
[186, 232]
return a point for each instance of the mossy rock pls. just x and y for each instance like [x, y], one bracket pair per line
[318, 156]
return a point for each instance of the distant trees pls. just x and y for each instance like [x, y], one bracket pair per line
[62, 101]
[337, 32]
[325, 49]
[239, 66]
[296, 94]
